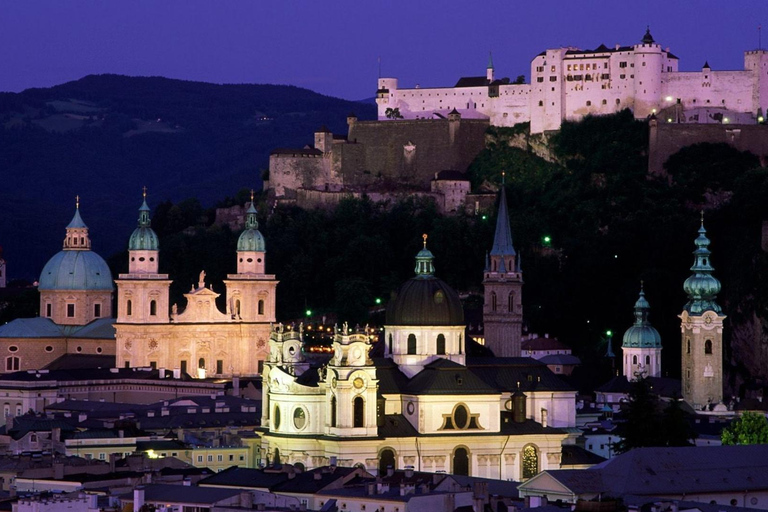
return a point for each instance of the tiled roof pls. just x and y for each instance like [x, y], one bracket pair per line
[574, 455]
[566, 359]
[472, 81]
[81, 361]
[395, 425]
[159, 493]
[444, 377]
[309, 483]
[30, 328]
[513, 373]
[245, 478]
[544, 343]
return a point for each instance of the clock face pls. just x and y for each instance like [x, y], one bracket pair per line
[358, 383]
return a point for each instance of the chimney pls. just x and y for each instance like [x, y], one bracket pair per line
[177, 373]
[8, 423]
[138, 498]
[236, 385]
[82, 417]
[112, 461]
[58, 471]
[56, 434]
[187, 482]
[333, 461]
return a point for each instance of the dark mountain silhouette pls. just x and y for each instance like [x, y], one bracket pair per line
[105, 137]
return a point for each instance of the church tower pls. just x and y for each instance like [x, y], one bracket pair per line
[702, 331]
[251, 292]
[503, 284]
[642, 344]
[143, 293]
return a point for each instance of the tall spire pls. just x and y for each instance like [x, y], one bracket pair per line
[250, 216]
[144, 219]
[77, 232]
[490, 60]
[702, 287]
[502, 239]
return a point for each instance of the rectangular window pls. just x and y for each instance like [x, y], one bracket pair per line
[153, 365]
[231, 457]
[102, 456]
[219, 366]
[183, 367]
[242, 457]
[199, 458]
[97, 310]
[553, 79]
[127, 364]
[48, 310]
[539, 78]
[70, 311]
[261, 366]
[210, 458]
[220, 458]
[622, 64]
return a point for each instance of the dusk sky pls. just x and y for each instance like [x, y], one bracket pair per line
[333, 47]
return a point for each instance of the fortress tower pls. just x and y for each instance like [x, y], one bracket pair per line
[503, 285]
[702, 331]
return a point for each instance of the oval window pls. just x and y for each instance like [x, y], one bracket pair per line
[250, 260]
[277, 417]
[13, 348]
[141, 259]
[79, 349]
[299, 418]
[460, 417]
[439, 297]
[49, 348]
[99, 350]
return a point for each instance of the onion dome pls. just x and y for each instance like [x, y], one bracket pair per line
[144, 237]
[251, 239]
[642, 334]
[702, 287]
[425, 299]
[76, 267]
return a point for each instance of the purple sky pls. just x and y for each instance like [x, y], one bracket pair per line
[332, 47]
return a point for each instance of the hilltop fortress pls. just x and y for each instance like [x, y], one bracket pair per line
[425, 138]
[570, 83]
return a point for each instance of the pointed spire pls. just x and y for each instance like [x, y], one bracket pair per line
[424, 267]
[77, 232]
[77, 221]
[490, 60]
[702, 287]
[502, 239]
[648, 38]
[144, 219]
[706, 65]
[642, 308]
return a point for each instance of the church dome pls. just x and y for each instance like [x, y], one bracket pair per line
[76, 267]
[76, 270]
[642, 334]
[144, 237]
[425, 299]
[251, 239]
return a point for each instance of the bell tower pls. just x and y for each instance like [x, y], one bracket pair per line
[702, 331]
[641, 346]
[503, 285]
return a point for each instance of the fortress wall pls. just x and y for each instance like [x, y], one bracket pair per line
[666, 139]
[290, 172]
[723, 89]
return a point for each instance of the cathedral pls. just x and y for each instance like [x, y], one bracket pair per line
[425, 404]
[196, 338]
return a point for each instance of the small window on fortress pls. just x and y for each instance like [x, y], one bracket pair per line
[589, 103]
[605, 102]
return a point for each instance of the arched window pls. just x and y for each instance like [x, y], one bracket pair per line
[386, 460]
[201, 363]
[333, 411]
[493, 301]
[634, 359]
[412, 344]
[260, 307]
[237, 307]
[390, 342]
[358, 413]
[530, 462]
[688, 346]
[461, 462]
[129, 308]
[152, 308]
[440, 345]
[647, 359]
[12, 364]
[511, 302]
[708, 347]
[276, 459]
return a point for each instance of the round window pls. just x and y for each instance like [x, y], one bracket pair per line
[292, 350]
[99, 350]
[241, 260]
[79, 349]
[250, 260]
[49, 348]
[299, 418]
[258, 259]
[151, 259]
[13, 348]
[410, 408]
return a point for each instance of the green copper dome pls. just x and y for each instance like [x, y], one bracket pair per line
[251, 239]
[702, 287]
[144, 237]
[642, 334]
[425, 299]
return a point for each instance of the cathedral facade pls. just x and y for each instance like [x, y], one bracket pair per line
[195, 338]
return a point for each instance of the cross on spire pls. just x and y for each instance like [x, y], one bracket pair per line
[77, 202]
[144, 191]
[251, 195]
[424, 236]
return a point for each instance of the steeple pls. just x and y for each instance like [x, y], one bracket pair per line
[702, 287]
[250, 216]
[503, 283]
[144, 238]
[425, 269]
[648, 38]
[251, 248]
[489, 69]
[77, 238]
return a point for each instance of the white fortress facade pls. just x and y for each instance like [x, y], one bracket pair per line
[569, 83]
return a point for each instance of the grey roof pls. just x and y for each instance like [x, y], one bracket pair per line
[395, 425]
[45, 328]
[245, 478]
[662, 386]
[81, 361]
[472, 81]
[513, 373]
[159, 493]
[444, 377]
[560, 359]
[308, 483]
[22, 425]
[574, 455]
[391, 379]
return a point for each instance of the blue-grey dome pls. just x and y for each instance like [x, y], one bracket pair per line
[144, 237]
[76, 270]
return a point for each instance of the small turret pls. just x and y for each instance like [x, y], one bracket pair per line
[647, 38]
[489, 69]
[250, 246]
[641, 344]
[77, 232]
[143, 246]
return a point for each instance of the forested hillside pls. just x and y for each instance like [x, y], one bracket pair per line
[105, 137]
